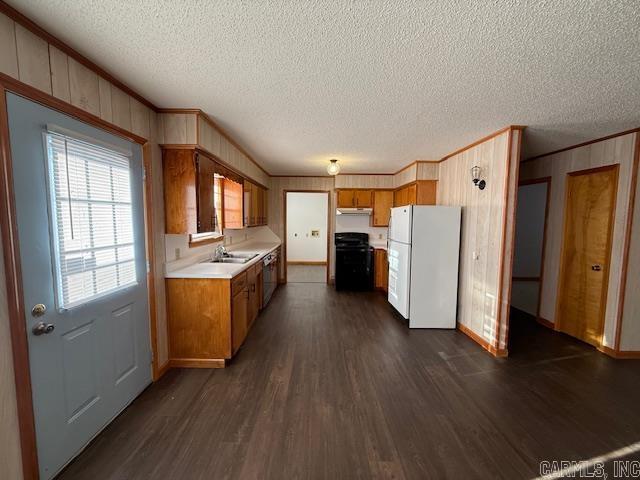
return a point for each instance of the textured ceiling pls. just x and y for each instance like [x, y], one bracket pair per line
[376, 83]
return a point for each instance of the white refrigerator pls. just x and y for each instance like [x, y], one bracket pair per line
[423, 253]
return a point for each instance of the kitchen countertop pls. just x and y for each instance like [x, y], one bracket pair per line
[205, 269]
[381, 244]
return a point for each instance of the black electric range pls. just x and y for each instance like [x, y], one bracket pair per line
[354, 261]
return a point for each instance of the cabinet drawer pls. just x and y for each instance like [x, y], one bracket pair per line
[238, 283]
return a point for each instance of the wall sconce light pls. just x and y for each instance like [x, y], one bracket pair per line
[333, 168]
[476, 171]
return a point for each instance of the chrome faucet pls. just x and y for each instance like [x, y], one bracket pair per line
[219, 252]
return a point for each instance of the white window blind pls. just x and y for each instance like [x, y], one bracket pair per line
[92, 219]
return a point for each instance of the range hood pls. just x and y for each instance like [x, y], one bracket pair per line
[354, 211]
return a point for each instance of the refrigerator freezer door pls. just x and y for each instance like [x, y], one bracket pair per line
[434, 267]
[399, 255]
[400, 224]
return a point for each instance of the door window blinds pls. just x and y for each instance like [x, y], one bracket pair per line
[92, 219]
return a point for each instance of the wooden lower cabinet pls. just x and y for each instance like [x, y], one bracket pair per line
[209, 318]
[381, 269]
[239, 319]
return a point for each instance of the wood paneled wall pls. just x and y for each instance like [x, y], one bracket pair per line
[193, 127]
[10, 454]
[30, 59]
[483, 236]
[617, 150]
[406, 175]
[419, 170]
[365, 181]
[630, 332]
[428, 170]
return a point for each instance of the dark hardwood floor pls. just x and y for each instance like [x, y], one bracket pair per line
[334, 385]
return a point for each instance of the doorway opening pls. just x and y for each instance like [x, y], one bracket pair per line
[528, 259]
[563, 288]
[306, 236]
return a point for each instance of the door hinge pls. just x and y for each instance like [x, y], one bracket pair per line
[144, 174]
[148, 266]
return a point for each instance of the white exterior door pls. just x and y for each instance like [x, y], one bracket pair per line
[399, 255]
[79, 209]
[400, 224]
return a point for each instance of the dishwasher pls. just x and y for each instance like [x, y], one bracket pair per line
[269, 276]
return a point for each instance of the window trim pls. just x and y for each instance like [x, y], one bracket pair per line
[53, 222]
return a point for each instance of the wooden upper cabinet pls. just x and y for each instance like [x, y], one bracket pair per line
[255, 205]
[412, 194]
[346, 199]
[400, 197]
[205, 168]
[363, 198]
[233, 204]
[422, 192]
[382, 203]
[188, 192]
[180, 202]
[255, 208]
[355, 198]
[426, 192]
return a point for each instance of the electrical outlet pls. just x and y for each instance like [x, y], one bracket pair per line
[379, 236]
[177, 253]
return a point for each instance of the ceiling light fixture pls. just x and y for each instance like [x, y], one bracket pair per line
[333, 168]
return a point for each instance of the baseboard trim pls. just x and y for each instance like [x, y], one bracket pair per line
[546, 323]
[197, 362]
[306, 263]
[162, 370]
[619, 355]
[482, 342]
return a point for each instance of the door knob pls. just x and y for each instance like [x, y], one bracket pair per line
[596, 267]
[42, 328]
[38, 310]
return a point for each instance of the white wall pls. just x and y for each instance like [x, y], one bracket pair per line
[307, 212]
[527, 261]
[361, 223]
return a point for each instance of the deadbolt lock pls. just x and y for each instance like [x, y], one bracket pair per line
[42, 328]
[38, 310]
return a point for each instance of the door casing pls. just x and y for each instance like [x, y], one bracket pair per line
[565, 232]
[11, 256]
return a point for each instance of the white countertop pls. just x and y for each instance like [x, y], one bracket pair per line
[378, 244]
[204, 269]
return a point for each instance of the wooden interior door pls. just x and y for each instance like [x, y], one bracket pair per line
[586, 251]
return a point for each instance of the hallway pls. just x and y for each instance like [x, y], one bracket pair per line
[333, 385]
